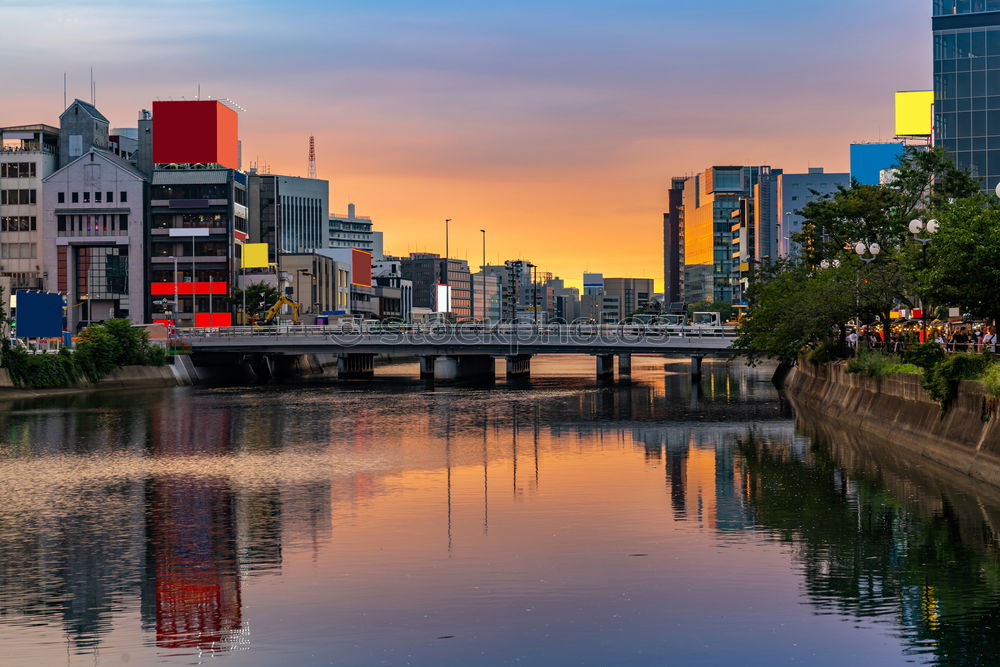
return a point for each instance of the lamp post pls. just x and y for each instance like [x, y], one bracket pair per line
[482, 271]
[298, 285]
[446, 249]
[862, 248]
[177, 305]
[931, 227]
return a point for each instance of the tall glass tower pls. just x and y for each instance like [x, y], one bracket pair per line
[967, 85]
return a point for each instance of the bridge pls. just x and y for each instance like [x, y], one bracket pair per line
[454, 352]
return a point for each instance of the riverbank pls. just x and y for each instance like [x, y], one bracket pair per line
[897, 411]
[178, 374]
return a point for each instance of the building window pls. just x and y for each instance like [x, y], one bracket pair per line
[17, 170]
[62, 197]
[123, 222]
[76, 197]
[122, 196]
[15, 197]
[111, 196]
[86, 197]
[97, 197]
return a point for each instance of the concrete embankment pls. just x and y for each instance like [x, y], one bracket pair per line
[127, 377]
[897, 412]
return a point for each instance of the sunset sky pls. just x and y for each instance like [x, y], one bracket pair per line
[554, 125]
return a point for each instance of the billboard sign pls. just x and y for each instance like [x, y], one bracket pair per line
[442, 301]
[195, 131]
[914, 113]
[39, 315]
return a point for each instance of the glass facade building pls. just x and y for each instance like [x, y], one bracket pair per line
[967, 85]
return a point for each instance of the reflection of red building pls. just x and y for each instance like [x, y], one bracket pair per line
[192, 551]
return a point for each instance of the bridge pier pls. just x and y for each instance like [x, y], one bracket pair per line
[427, 364]
[262, 367]
[605, 366]
[624, 366]
[476, 367]
[356, 366]
[696, 367]
[518, 366]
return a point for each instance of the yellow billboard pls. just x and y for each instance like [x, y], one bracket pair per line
[254, 255]
[914, 113]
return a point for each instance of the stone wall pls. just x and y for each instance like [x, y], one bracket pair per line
[897, 412]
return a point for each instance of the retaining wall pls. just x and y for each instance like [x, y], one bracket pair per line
[897, 411]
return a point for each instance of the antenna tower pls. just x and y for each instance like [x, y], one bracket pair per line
[312, 156]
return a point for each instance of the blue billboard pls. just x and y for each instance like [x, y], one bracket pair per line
[868, 161]
[39, 315]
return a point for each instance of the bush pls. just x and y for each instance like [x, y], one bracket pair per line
[991, 378]
[878, 365]
[941, 381]
[926, 355]
[823, 353]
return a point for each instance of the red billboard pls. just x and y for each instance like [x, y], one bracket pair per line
[196, 131]
[361, 267]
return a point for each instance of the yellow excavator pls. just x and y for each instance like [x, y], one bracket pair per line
[283, 301]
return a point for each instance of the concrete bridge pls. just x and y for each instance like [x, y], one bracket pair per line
[453, 352]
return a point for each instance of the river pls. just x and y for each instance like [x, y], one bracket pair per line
[544, 523]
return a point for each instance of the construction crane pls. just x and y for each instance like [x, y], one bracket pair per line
[282, 301]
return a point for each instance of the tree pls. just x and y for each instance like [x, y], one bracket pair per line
[791, 306]
[964, 257]
[259, 297]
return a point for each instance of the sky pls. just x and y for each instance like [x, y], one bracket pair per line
[554, 125]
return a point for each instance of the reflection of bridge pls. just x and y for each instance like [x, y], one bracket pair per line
[450, 352]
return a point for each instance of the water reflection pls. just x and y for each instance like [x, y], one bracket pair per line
[178, 524]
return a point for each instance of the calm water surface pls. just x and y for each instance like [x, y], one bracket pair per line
[554, 523]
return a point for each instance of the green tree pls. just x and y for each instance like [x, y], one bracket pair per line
[963, 259]
[256, 294]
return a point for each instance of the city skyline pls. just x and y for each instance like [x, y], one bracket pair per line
[546, 125]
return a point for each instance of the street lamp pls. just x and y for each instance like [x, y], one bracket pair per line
[861, 248]
[534, 289]
[827, 264]
[298, 285]
[446, 250]
[482, 271]
[931, 227]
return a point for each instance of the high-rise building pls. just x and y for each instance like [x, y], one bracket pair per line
[711, 264]
[794, 192]
[486, 297]
[673, 242]
[967, 85]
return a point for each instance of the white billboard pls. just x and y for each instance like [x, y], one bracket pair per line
[442, 300]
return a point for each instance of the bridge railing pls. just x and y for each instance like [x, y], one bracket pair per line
[476, 334]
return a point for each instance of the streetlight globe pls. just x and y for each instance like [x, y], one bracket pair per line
[825, 264]
[933, 226]
[916, 226]
[860, 247]
[836, 263]
[875, 248]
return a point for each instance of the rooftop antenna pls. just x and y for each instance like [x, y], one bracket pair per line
[312, 156]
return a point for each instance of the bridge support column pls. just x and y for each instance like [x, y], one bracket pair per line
[445, 369]
[625, 366]
[262, 368]
[427, 367]
[605, 366]
[696, 367]
[356, 366]
[477, 368]
[518, 366]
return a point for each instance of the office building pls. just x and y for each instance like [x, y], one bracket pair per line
[442, 285]
[287, 213]
[633, 294]
[710, 199]
[794, 192]
[967, 85]
[352, 231]
[363, 301]
[387, 273]
[319, 283]
[28, 153]
[94, 238]
[673, 242]
[486, 298]
[565, 300]
[198, 212]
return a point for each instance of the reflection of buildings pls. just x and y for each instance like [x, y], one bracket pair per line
[191, 564]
